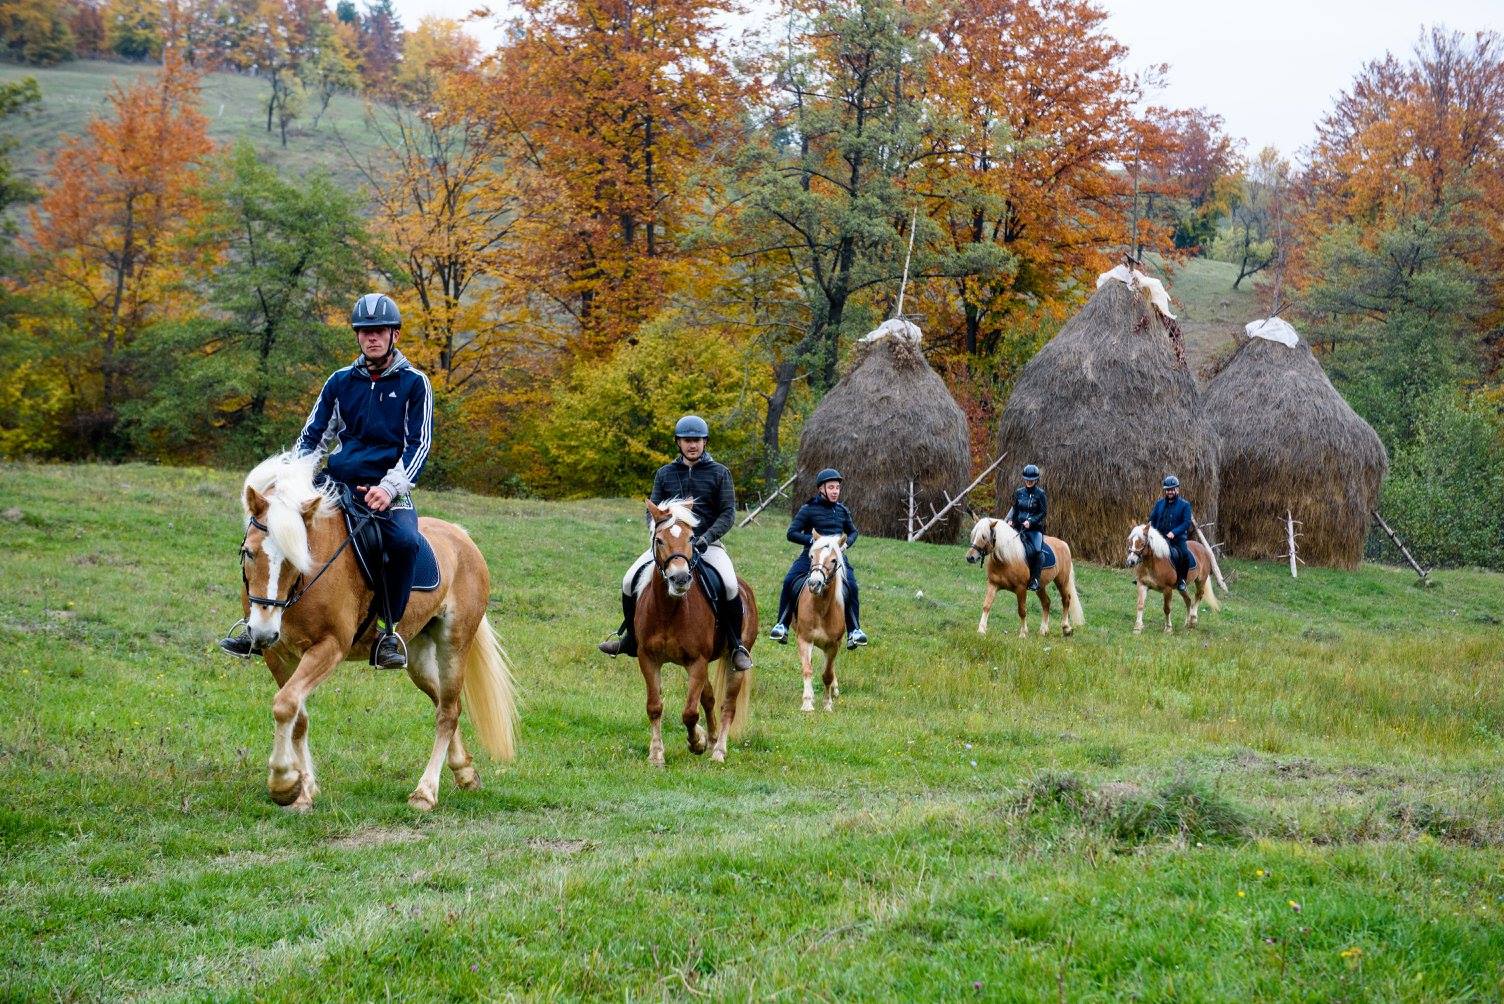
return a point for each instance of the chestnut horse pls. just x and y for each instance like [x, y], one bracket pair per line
[304, 600]
[674, 623]
[820, 615]
[1149, 557]
[1000, 545]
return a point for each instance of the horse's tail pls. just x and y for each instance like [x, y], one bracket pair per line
[489, 693]
[723, 673]
[1076, 614]
[1211, 591]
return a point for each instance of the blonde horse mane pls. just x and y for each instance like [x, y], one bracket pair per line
[1010, 546]
[285, 481]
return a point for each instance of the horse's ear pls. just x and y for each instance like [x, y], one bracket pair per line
[255, 502]
[842, 541]
[654, 512]
[312, 506]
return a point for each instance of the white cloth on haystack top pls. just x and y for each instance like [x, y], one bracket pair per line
[1276, 329]
[1152, 289]
[896, 328]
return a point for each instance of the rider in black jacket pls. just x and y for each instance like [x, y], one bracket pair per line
[824, 516]
[1027, 517]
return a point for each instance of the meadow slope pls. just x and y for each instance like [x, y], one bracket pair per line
[1301, 801]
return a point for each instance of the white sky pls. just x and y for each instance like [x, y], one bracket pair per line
[1271, 68]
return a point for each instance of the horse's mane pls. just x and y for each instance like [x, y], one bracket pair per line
[1010, 547]
[821, 543]
[285, 480]
[1157, 542]
[680, 511]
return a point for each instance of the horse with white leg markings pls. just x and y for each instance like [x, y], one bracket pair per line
[306, 606]
[996, 543]
[1149, 557]
[820, 615]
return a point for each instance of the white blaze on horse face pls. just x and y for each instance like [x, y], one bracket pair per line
[264, 619]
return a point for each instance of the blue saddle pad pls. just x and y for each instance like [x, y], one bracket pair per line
[426, 574]
[1047, 556]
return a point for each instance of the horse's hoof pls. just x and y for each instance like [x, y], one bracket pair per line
[1067, 630]
[982, 631]
[829, 705]
[285, 786]
[808, 705]
[655, 761]
[718, 755]
[1138, 630]
[700, 742]
[301, 805]
[466, 779]
[422, 801]
[835, 691]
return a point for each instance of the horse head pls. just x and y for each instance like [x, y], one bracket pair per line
[825, 562]
[281, 503]
[672, 525]
[983, 540]
[1144, 540]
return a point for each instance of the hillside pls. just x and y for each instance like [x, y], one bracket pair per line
[1211, 313]
[1302, 800]
[73, 93]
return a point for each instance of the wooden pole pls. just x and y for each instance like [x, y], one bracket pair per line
[903, 284]
[768, 501]
[1422, 572]
[911, 509]
[1212, 554]
[1290, 536]
[949, 505]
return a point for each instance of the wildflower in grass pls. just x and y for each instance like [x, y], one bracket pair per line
[1258, 873]
[1353, 956]
[1241, 894]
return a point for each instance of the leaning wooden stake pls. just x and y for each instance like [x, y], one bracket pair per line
[950, 504]
[1422, 572]
[1211, 553]
[1290, 537]
[768, 501]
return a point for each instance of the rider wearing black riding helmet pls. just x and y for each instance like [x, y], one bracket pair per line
[1027, 517]
[373, 421]
[1171, 516]
[694, 474]
[824, 516]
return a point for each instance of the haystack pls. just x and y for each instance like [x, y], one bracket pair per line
[1106, 409]
[889, 419]
[1291, 443]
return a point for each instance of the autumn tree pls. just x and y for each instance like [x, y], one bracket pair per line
[380, 45]
[38, 32]
[1255, 235]
[617, 110]
[102, 232]
[133, 28]
[86, 20]
[234, 379]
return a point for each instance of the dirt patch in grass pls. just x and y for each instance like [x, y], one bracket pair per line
[373, 836]
[558, 845]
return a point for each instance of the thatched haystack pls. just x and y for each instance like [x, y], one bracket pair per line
[1291, 443]
[1106, 410]
[889, 419]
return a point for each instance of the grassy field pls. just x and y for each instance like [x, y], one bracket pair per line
[1211, 313]
[1301, 801]
[73, 93]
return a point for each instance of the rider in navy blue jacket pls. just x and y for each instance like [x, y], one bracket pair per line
[1171, 516]
[373, 421]
[823, 516]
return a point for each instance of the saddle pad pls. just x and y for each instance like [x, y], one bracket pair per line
[1047, 556]
[426, 571]
[365, 542]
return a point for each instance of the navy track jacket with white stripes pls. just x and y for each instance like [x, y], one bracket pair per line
[374, 431]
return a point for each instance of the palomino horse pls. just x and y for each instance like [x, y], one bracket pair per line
[820, 615]
[305, 600]
[1149, 557]
[999, 544]
[675, 623]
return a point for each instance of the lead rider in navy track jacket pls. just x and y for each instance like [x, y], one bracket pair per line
[377, 429]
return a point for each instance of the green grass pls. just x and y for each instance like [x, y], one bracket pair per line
[73, 93]
[1210, 311]
[1104, 817]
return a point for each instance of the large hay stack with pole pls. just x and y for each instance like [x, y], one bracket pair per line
[1290, 443]
[888, 421]
[1106, 409]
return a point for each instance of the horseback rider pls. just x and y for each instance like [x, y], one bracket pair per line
[1171, 516]
[1027, 517]
[823, 516]
[694, 475]
[373, 421]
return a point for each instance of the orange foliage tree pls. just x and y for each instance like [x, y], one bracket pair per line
[101, 234]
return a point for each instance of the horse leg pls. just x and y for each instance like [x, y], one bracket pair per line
[282, 670]
[1044, 607]
[1168, 627]
[707, 705]
[1193, 603]
[652, 676]
[1023, 612]
[698, 683]
[987, 607]
[433, 667]
[1062, 586]
[1143, 597]
[284, 779]
[806, 659]
[735, 681]
[831, 690]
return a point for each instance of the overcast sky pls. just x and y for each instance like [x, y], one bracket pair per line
[1270, 67]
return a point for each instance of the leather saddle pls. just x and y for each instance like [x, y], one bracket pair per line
[365, 530]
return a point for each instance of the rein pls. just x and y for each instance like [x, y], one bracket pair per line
[298, 590]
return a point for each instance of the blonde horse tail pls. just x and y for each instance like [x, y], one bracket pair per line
[1077, 614]
[723, 673]
[1211, 595]
[489, 693]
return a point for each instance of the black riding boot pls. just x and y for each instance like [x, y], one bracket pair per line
[391, 653]
[238, 645]
[1035, 560]
[1182, 567]
[625, 640]
[731, 623]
